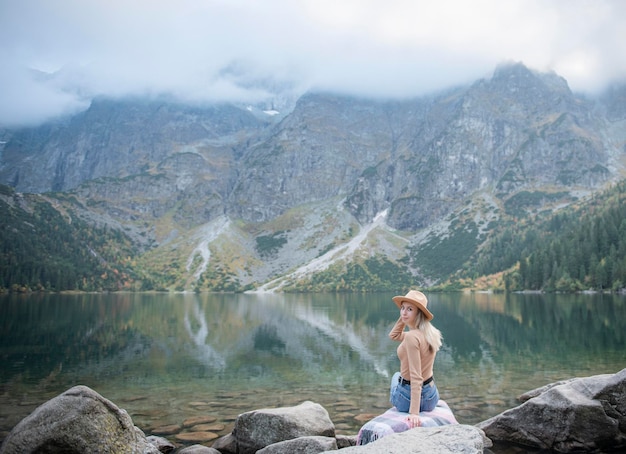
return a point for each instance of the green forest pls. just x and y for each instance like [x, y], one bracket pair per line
[43, 249]
[583, 247]
[575, 249]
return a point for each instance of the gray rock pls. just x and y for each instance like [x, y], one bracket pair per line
[450, 439]
[302, 445]
[198, 449]
[162, 444]
[345, 441]
[78, 421]
[537, 391]
[226, 444]
[257, 429]
[584, 414]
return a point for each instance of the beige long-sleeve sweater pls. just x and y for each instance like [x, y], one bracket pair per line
[416, 360]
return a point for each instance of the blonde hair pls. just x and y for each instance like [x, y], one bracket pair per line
[433, 335]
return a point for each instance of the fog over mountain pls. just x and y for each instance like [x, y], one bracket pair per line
[58, 56]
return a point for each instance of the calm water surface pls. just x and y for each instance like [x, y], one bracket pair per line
[165, 358]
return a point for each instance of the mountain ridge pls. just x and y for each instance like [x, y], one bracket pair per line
[292, 188]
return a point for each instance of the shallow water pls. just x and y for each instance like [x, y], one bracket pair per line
[165, 358]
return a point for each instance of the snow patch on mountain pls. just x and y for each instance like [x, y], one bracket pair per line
[206, 235]
[343, 251]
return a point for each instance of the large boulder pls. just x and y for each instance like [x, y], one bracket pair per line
[78, 421]
[197, 449]
[582, 414]
[450, 439]
[257, 429]
[301, 445]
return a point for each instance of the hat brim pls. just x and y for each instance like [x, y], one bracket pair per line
[403, 299]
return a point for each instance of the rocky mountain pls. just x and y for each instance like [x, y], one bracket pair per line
[229, 194]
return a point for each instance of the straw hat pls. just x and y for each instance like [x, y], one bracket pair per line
[417, 298]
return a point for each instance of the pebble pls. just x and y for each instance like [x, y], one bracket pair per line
[133, 398]
[166, 430]
[199, 404]
[29, 404]
[195, 420]
[364, 417]
[345, 407]
[208, 428]
[384, 406]
[150, 413]
[196, 437]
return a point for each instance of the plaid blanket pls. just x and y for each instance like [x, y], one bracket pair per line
[393, 421]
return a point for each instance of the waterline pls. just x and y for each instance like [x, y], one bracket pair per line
[165, 358]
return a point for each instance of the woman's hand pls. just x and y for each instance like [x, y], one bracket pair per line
[413, 421]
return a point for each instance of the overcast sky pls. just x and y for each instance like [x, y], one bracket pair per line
[221, 49]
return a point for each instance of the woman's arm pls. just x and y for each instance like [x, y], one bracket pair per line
[397, 332]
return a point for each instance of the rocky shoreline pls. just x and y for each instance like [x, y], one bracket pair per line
[577, 415]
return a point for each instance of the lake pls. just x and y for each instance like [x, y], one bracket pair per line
[168, 357]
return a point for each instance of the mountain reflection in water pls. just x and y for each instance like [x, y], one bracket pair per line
[165, 357]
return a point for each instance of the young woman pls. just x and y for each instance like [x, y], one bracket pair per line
[413, 389]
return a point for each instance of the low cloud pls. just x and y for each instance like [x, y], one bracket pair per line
[245, 50]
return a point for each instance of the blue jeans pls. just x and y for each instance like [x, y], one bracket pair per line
[400, 395]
